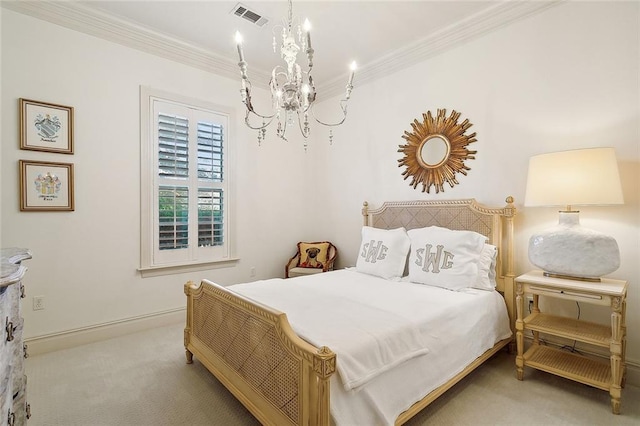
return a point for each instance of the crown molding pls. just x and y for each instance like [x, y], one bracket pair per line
[472, 27]
[90, 21]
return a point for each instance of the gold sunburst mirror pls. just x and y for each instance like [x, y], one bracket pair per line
[436, 150]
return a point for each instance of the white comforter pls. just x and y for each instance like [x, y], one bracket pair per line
[352, 314]
[451, 328]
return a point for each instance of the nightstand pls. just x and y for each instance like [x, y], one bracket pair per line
[608, 376]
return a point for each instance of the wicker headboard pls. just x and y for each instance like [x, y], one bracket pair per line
[495, 223]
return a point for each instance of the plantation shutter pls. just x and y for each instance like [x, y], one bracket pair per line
[173, 146]
[210, 171]
[210, 152]
[173, 212]
[210, 217]
[190, 196]
[173, 163]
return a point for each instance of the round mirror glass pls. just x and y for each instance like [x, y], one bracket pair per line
[434, 151]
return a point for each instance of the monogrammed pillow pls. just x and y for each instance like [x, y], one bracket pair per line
[445, 258]
[383, 252]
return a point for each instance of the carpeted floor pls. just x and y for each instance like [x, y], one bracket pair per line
[142, 379]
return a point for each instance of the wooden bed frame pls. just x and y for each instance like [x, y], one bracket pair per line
[282, 379]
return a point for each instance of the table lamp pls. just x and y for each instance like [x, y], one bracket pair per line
[571, 178]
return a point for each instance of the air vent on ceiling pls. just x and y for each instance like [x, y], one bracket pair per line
[251, 16]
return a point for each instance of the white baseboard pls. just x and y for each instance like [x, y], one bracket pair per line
[633, 367]
[80, 336]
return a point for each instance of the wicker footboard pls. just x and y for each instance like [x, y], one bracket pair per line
[253, 351]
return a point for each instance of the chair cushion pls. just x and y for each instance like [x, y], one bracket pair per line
[313, 255]
[298, 272]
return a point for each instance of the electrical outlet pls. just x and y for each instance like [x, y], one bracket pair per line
[529, 299]
[38, 303]
[252, 272]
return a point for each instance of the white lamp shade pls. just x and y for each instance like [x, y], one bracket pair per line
[577, 177]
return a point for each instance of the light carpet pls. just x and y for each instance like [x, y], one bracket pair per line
[142, 379]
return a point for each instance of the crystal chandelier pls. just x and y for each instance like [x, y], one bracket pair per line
[293, 92]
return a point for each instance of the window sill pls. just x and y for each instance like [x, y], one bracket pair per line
[156, 271]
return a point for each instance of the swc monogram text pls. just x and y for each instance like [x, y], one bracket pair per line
[373, 251]
[441, 259]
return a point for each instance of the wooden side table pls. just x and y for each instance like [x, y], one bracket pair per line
[608, 376]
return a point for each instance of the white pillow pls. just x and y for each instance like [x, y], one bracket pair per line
[445, 258]
[383, 252]
[487, 268]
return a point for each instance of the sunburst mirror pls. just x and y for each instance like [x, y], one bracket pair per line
[436, 150]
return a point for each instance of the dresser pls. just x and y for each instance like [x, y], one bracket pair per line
[14, 409]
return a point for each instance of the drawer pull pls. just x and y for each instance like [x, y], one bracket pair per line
[22, 293]
[24, 349]
[28, 411]
[11, 418]
[10, 329]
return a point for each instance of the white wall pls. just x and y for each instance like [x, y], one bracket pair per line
[85, 262]
[564, 79]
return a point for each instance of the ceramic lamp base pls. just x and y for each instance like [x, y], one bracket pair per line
[571, 251]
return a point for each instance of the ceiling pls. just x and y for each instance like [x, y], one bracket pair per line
[342, 31]
[381, 36]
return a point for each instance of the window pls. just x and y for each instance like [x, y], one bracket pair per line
[185, 181]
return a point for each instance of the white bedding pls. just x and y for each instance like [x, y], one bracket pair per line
[453, 327]
[350, 314]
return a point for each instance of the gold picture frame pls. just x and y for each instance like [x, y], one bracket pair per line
[436, 150]
[46, 186]
[46, 127]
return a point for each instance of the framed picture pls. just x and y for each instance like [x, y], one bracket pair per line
[46, 186]
[46, 127]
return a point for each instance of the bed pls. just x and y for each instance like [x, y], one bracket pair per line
[254, 340]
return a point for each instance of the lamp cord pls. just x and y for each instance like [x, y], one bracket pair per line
[572, 348]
